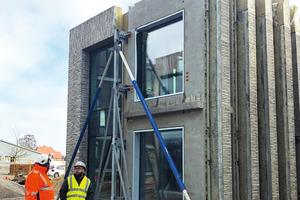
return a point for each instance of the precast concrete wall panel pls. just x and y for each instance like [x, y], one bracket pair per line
[219, 101]
[247, 101]
[290, 95]
[296, 77]
[267, 131]
[285, 102]
[183, 109]
[86, 35]
[194, 167]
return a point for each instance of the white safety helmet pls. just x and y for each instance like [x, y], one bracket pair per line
[43, 159]
[80, 164]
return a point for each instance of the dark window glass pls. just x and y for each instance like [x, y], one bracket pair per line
[156, 177]
[99, 118]
[160, 57]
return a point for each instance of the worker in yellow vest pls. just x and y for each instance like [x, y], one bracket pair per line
[77, 186]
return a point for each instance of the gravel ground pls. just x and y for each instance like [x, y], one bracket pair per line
[10, 189]
[57, 182]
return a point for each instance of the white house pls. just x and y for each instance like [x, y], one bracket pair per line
[8, 150]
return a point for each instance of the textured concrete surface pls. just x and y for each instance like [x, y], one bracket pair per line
[267, 126]
[285, 102]
[219, 130]
[238, 108]
[247, 105]
[296, 77]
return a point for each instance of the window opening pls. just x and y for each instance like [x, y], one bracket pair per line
[160, 63]
[156, 180]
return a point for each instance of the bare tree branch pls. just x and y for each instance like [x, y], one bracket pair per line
[28, 141]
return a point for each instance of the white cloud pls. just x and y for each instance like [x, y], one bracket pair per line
[34, 47]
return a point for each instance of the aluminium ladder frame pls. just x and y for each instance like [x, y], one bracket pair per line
[117, 146]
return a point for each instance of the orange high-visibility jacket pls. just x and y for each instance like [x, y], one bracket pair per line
[38, 186]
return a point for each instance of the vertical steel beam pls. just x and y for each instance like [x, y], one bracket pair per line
[115, 114]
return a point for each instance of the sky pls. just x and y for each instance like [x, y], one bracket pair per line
[34, 47]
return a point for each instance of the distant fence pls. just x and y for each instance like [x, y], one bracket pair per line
[17, 166]
[20, 169]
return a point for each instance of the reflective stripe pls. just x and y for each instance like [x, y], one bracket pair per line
[47, 188]
[87, 184]
[71, 182]
[46, 185]
[74, 195]
[32, 193]
[31, 173]
[41, 177]
[77, 189]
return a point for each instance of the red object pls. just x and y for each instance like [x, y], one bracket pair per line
[5, 177]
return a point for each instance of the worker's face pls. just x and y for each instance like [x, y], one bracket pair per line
[79, 170]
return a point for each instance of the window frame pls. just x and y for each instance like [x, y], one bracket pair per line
[157, 24]
[136, 158]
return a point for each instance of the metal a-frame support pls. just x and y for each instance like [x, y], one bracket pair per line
[116, 149]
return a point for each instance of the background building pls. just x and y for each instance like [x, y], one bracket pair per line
[11, 153]
[221, 80]
[55, 155]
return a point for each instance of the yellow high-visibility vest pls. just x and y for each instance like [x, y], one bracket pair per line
[75, 191]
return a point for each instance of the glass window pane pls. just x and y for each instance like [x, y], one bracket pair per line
[100, 117]
[160, 59]
[156, 177]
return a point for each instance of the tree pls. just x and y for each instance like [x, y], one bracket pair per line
[28, 141]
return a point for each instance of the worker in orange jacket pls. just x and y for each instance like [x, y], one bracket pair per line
[38, 186]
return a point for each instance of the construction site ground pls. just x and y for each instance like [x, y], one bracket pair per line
[11, 190]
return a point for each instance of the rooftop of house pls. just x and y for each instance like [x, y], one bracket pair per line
[50, 151]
